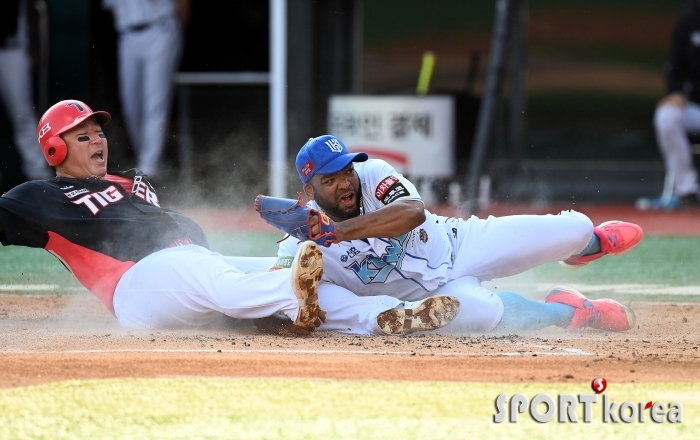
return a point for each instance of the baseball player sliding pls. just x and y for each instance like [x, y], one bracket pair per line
[149, 265]
[379, 239]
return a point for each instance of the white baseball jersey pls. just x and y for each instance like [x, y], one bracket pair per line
[414, 263]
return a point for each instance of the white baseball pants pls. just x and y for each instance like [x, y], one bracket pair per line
[672, 125]
[147, 61]
[488, 248]
[191, 285]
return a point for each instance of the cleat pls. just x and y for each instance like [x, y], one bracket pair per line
[307, 271]
[616, 238]
[417, 316]
[602, 314]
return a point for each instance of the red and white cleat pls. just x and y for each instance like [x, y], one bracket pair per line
[616, 238]
[602, 314]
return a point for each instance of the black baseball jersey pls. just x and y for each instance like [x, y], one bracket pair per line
[684, 65]
[98, 228]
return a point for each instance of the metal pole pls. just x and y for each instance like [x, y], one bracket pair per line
[278, 98]
[489, 101]
[518, 71]
[186, 147]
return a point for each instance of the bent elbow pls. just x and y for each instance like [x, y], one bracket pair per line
[418, 215]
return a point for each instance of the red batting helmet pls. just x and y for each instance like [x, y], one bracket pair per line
[60, 118]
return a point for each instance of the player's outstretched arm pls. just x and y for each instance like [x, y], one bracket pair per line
[392, 220]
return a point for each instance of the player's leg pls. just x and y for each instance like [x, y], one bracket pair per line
[130, 50]
[162, 59]
[672, 124]
[191, 285]
[15, 89]
[502, 246]
[352, 314]
[483, 310]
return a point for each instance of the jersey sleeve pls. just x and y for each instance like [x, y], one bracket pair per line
[23, 222]
[383, 185]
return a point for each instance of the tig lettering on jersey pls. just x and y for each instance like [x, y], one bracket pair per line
[143, 191]
[377, 270]
[103, 198]
[390, 189]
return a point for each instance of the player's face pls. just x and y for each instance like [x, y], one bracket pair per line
[337, 194]
[87, 151]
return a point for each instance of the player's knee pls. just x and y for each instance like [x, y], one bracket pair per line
[580, 227]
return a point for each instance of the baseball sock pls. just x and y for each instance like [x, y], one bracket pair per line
[592, 248]
[520, 313]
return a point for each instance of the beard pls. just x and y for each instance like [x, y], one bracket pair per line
[334, 211]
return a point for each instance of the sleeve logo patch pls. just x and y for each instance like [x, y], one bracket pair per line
[307, 169]
[284, 262]
[384, 186]
[396, 191]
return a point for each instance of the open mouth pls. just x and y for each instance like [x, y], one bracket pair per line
[347, 200]
[98, 156]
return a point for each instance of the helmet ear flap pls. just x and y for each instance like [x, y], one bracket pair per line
[55, 150]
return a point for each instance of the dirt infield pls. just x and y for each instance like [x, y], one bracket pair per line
[49, 338]
[40, 343]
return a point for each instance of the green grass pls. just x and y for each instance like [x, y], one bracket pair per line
[663, 261]
[189, 408]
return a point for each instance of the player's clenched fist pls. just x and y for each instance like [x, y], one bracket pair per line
[297, 219]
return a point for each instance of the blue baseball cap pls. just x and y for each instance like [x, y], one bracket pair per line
[324, 155]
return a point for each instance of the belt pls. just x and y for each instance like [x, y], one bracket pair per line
[138, 27]
[143, 26]
[182, 241]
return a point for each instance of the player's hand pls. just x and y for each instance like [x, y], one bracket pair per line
[314, 227]
[277, 325]
[674, 99]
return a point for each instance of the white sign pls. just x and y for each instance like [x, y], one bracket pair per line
[415, 134]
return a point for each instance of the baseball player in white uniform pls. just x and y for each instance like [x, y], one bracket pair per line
[16, 91]
[150, 44]
[385, 242]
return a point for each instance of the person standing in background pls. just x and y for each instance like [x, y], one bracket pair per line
[150, 45]
[16, 86]
[678, 114]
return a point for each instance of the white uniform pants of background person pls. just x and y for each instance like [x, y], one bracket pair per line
[147, 60]
[191, 285]
[16, 92]
[672, 126]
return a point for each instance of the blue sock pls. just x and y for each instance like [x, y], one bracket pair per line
[592, 248]
[523, 314]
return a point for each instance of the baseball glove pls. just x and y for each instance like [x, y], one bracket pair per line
[292, 216]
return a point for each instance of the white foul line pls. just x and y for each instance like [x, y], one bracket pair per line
[564, 352]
